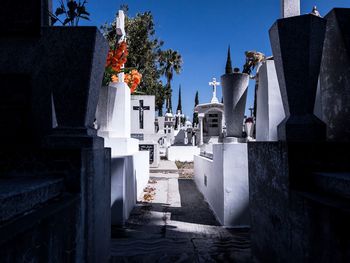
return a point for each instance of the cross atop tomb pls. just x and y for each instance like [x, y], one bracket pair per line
[290, 8]
[214, 83]
[120, 30]
[120, 25]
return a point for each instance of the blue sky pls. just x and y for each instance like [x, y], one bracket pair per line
[202, 30]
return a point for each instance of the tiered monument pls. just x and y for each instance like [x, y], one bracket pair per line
[55, 180]
[299, 186]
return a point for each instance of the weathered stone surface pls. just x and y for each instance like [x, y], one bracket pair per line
[49, 68]
[334, 88]
[290, 8]
[234, 90]
[19, 195]
[47, 232]
[20, 18]
[296, 213]
[297, 44]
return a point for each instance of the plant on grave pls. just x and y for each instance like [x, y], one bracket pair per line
[72, 11]
[253, 58]
[117, 57]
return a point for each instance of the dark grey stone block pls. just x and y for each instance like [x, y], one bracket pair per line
[66, 64]
[19, 195]
[20, 18]
[335, 76]
[297, 44]
[296, 214]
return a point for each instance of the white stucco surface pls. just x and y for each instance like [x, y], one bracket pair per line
[129, 176]
[270, 111]
[182, 153]
[227, 188]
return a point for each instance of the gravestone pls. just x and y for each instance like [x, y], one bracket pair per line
[270, 110]
[40, 88]
[141, 110]
[142, 114]
[297, 43]
[334, 86]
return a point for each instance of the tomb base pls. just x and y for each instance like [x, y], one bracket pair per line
[299, 204]
[223, 180]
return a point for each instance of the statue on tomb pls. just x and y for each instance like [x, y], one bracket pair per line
[315, 12]
[253, 58]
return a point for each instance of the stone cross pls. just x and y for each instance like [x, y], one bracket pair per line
[120, 30]
[290, 8]
[141, 109]
[214, 83]
[120, 25]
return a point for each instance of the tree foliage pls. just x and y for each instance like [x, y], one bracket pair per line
[170, 62]
[144, 53]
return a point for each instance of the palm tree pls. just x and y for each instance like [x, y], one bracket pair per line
[170, 61]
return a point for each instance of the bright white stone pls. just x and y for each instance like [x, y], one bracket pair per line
[270, 111]
[290, 8]
[214, 83]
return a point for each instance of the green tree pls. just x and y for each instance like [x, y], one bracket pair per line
[144, 51]
[195, 114]
[170, 61]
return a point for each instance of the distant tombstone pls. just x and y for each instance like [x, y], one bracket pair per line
[334, 86]
[142, 114]
[153, 149]
[269, 112]
[150, 148]
[290, 8]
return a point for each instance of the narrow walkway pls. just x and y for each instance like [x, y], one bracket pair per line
[177, 226]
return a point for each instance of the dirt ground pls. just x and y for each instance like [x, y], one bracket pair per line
[186, 169]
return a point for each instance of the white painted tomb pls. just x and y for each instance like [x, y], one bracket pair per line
[223, 180]
[129, 166]
[221, 170]
[270, 111]
[143, 126]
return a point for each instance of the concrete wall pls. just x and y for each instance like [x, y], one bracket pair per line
[129, 175]
[182, 153]
[213, 189]
[226, 189]
[236, 184]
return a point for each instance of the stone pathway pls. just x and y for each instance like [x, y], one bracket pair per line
[177, 226]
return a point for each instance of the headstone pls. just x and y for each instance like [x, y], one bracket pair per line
[334, 86]
[153, 149]
[297, 44]
[269, 112]
[290, 8]
[141, 108]
[142, 114]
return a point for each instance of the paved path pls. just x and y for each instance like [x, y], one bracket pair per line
[177, 226]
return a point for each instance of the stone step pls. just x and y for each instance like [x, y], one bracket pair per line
[21, 194]
[165, 167]
[337, 184]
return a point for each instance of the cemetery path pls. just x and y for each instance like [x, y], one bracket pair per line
[177, 226]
